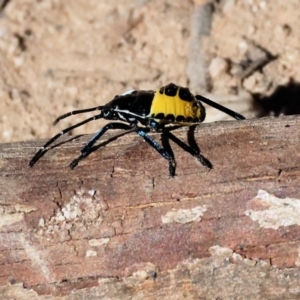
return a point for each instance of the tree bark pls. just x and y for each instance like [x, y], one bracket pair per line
[118, 227]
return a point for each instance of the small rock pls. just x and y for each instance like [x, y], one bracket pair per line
[218, 66]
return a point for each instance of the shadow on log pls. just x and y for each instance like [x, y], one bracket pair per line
[119, 227]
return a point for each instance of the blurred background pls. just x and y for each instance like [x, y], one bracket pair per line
[57, 56]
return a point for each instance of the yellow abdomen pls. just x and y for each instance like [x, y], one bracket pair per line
[174, 104]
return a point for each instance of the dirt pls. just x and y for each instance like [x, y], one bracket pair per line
[57, 56]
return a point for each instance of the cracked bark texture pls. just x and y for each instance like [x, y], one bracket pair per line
[118, 227]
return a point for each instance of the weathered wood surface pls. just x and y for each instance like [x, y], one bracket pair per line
[118, 227]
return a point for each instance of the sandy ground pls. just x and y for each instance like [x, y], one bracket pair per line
[57, 56]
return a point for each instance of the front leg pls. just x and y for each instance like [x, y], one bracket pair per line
[87, 149]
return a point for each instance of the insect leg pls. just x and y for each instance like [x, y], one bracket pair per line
[158, 148]
[87, 149]
[97, 136]
[76, 112]
[222, 108]
[204, 161]
[45, 147]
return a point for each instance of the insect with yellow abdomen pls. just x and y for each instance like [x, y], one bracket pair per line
[171, 104]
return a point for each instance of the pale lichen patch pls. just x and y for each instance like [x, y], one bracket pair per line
[297, 263]
[226, 255]
[272, 212]
[37, 258]
[90, 253]
[83, 205]
[41, 222]
[10, 215]
[98, 242]
[25, 208]
[10, 219]
[184, 216]
[71, 211]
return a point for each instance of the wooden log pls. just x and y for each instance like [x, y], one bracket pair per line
[118, 227]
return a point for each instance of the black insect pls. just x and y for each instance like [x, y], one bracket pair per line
[153, 110]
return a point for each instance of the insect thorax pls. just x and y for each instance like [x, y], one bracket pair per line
[131, 106]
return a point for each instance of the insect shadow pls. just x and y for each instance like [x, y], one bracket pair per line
[75, 162]
[284, 100]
